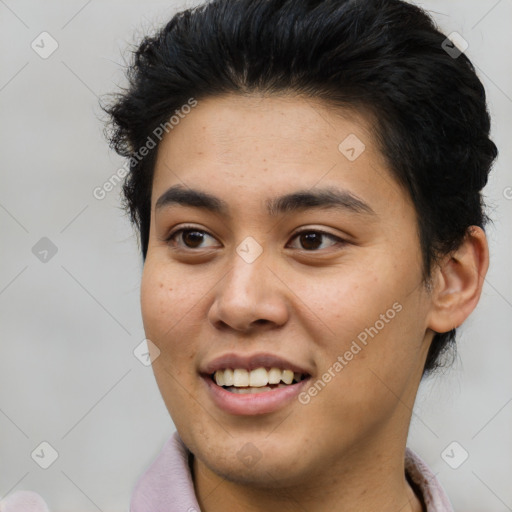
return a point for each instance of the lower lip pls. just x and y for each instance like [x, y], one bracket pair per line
[253, 403]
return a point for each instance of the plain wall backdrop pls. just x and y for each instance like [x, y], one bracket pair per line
[70, 271]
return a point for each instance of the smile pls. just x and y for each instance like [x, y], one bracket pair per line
[242, 381]
[253, 400]
[249, 384]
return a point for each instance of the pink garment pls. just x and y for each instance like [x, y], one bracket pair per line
[23, 501]
[167, 485]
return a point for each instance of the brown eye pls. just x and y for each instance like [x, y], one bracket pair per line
[190, 238]
[311, 240]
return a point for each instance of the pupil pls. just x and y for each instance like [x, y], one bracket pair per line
[310, 237]
[190, 235]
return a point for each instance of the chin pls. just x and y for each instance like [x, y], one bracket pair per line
[255, 460]
[270, 472]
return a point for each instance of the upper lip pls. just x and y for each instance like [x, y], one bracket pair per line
[251, 362]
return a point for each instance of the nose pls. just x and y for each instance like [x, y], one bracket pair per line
[250, 296]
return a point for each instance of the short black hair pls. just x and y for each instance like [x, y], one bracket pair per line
[386, 58]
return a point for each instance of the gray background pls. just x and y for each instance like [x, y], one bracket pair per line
[69, 325]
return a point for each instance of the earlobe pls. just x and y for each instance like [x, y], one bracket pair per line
[458, 282]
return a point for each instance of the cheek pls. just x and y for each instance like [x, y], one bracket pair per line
[344, 305]
[166, 313]
[170, 304]
[164, 298]
[154, 299]
[376, 322]
[163, 303]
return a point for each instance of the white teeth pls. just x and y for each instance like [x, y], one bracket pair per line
[240, 378]
[219, 378]
[274, 376]
[228, 377]
[287, 376]
[258, 378]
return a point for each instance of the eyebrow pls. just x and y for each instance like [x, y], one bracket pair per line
[300, 200]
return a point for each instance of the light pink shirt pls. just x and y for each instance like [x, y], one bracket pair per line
[167, 485]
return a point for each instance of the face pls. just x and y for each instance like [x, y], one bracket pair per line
[325, 284]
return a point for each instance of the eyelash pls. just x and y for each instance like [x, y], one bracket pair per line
[183, 229]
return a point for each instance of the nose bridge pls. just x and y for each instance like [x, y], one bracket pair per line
[245, 281]
[248, 293]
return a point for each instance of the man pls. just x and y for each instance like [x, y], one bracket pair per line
[306, 179]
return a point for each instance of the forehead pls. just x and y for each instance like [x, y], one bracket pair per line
[233, 125]
[256, 146]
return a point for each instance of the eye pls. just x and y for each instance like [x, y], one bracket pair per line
[191, 237]
[312, 239]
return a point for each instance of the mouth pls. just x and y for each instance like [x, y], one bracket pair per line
[259, 380]
[250, 384]
[231, 390]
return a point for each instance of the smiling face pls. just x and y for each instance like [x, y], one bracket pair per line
[343, 303]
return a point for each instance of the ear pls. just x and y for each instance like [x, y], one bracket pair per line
[458, 282]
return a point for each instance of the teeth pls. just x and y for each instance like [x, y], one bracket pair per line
[258, 378]
[219, 379]
[228, 377]
[287, 377]
[274, 376]
[240, 378]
